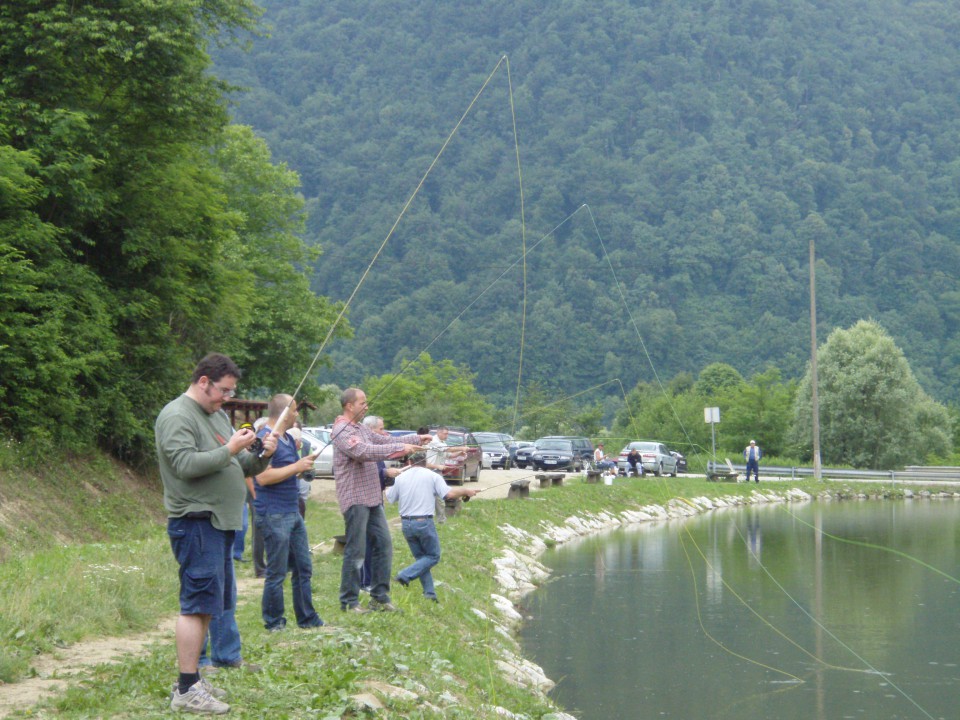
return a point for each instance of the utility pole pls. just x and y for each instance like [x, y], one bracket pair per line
[814, 398]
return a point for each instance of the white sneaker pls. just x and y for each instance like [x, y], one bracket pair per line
[218, 693]
[198, 700]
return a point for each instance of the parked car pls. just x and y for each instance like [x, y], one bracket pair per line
[556, 453]
[319, 438]
[522, 456]
[681, 461]
[581, 446]
[515, 447]
[495, 453]
[462, 467]
[654, 458]
[394, 462]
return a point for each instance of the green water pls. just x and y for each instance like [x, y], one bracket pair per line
[814, 610]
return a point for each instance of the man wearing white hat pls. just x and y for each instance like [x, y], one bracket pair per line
[752, 454]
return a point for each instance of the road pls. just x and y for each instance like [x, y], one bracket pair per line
[493, 484]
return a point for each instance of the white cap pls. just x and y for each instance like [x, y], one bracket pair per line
[753, 442]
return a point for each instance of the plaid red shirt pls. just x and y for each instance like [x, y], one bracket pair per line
[356, 449]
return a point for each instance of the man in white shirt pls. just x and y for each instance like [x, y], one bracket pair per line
[415, 490]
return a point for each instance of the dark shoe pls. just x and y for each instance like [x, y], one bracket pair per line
[432, 598]
[317, 624]
[249, 667]
[356, 609]
[401, 581]
[388, 606]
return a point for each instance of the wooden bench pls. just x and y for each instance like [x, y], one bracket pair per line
[593, 476]
[550, 479]
[519, 489]
[719, 473]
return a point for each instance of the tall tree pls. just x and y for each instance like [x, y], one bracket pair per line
[873, 412]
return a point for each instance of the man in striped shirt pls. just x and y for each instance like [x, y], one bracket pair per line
[356, 449]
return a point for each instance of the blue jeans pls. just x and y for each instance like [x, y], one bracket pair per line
[424, 543]
[366, 525]
[238, 542]
[224, 640]
[285, 542]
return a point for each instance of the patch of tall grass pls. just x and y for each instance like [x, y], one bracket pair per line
[60, 596]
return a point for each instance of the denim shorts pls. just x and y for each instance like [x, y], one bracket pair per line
[207, 585]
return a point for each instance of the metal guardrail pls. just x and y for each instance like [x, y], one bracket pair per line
[911, 473]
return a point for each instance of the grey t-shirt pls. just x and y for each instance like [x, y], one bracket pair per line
[415, 490]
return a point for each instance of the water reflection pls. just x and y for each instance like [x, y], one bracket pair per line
[785, 611]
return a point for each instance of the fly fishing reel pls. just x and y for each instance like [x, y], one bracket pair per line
[257, 446]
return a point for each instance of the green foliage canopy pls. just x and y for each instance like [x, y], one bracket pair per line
[428, 393]
[873, 412]
[137, 230]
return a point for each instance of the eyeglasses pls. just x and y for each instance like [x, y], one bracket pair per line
[226, 392]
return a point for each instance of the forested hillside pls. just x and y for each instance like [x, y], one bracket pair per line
[710, 140]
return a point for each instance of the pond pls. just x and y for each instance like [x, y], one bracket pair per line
[820, 610]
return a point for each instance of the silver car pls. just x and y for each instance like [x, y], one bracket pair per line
[495, 453]
[654, 457]
[319, 439]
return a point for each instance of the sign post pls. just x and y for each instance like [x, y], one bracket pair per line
[712, 415]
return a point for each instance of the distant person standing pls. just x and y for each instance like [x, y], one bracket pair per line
[375, 423]
[202, 464]
[284, 532]
[752, 454]
[437, 453]
[356, 449]
[415, 490]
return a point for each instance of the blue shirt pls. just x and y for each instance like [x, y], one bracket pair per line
[279, 497]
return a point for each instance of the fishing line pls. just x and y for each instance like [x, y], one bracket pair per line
[393, 228]
[873, 546]
[870, 667]
[473, 302]
[636, 328]
[718, 643]
[523, 245]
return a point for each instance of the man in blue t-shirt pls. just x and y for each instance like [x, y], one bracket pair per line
[284, 532]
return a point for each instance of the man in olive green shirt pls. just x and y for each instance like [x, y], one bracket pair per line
[203, 463]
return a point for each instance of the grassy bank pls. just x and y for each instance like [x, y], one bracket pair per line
[439, 660]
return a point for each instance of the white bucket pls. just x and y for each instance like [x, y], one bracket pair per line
[608, 479]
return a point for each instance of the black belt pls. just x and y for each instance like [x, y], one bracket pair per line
[203, 515]
[416, 517]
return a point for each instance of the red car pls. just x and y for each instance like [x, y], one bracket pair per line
[462, 467]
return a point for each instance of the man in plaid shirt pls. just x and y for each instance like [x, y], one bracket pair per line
[356, 449]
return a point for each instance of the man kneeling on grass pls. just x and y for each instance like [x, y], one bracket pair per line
[416, 489]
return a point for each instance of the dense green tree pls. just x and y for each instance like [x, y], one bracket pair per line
[138, 231]
[760, 409]
[427, 393]
[873, 412]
